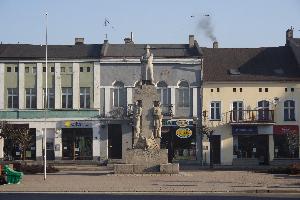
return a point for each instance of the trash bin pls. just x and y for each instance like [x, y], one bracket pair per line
[13, 177]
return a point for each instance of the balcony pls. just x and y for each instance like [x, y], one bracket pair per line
[250, 117]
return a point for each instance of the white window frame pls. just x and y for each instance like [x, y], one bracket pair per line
[215, 110]
[30, 93]
[181, 88]
[51, 93]
[13, 93]
[289, 108]
[85, 92]
[69, 94]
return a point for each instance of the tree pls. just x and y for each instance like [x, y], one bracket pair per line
[205, 130]
[15, 136]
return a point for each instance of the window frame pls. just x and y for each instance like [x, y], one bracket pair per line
[30, 96]
[85, 92]
[289, 108]
[14, 97]
[67, 92]
[184, 89]
[214, 108]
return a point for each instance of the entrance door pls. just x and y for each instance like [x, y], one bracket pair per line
[114, 141]
[215, 141]
[77, 143]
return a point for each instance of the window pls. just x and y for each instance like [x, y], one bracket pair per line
[52, 69]
[8, 69]
[285, 89]
[237, 111]
[234, 89]
[84, 97]
[218, 89]
[30, 98]
[211, 90]
[81, 69]
[26, 69]
[241, 89]
[289, 110]
[88, 69]
[119, 95]
[12, 98]
[44, 69]
[266, 89]
[34, 70]
[51, 97]
[215, 110]
[16, 69]
[184, 94]
[162, 91]
[63, 69]
[263, 110]
[67, 97]
[260, 89]
[292, 89]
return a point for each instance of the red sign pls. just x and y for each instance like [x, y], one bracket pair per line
[284, 129]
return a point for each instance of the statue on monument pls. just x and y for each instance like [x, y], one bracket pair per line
[157, 119]
[147, 67]
[137, 115]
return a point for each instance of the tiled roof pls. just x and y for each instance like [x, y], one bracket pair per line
[158, 50]
[27, 51]
[253, 64]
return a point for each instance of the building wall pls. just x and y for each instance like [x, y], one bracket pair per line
[250, 95]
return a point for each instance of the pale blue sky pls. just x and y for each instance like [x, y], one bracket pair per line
[236, 23]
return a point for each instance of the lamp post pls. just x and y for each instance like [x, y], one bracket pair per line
[46, 103]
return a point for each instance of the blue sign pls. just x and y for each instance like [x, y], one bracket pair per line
[244, 129]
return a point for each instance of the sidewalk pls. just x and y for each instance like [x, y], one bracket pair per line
[186, 181]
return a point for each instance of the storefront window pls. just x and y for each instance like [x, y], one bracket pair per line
[286, 141]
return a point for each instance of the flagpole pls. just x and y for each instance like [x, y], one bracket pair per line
[46, 103]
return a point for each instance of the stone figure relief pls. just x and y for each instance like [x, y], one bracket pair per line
[157, 119]
[137, 115]
[147, 67]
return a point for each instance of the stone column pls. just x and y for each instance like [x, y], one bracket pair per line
[271, 147]
[2, 96]
[107, 100]
[103, 142]
[21, 86]
[57, 85]
[96, 141]
[39, 144]
[1, 148]
[58, 143]
[195, 102]
[97, 85]
[39, 86]
[173, 97]
[76, 103]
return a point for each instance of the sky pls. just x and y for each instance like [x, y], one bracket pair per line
[233, 23]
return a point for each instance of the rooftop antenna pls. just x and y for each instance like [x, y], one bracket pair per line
[107, 24]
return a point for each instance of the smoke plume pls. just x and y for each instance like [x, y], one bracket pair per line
[206, 26]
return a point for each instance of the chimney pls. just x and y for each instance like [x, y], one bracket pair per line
[129, 40]
[79, 41]
[289, 35]
[191, 41]
[215, 45]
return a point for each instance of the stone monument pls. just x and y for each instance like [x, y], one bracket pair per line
[145, 156]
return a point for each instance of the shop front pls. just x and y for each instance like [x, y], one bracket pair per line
[77, 140]
[249, 144]
[179, 137]
[286, 141]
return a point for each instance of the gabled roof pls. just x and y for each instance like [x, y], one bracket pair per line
[253, 64]
[158, 50]
[27, 51]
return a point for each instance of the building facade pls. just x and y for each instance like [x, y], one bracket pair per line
[88, 116]
[252, 104]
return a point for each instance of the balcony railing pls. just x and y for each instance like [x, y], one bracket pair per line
[250, 116]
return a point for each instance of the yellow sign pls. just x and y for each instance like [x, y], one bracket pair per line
[67, 124]
[184, 132]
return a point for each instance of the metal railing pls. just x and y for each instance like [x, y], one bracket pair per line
[250, 116]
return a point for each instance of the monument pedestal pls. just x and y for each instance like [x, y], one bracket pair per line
[139, 161]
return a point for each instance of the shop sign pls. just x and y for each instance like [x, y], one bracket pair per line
[178, 122]
[285, 129]
[184, 132]
[76, 124]
[236, 130]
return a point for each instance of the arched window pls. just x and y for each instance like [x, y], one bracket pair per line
[263, 110]
[183, 94]
[289, 110]
[162, 91]
[119, 94]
